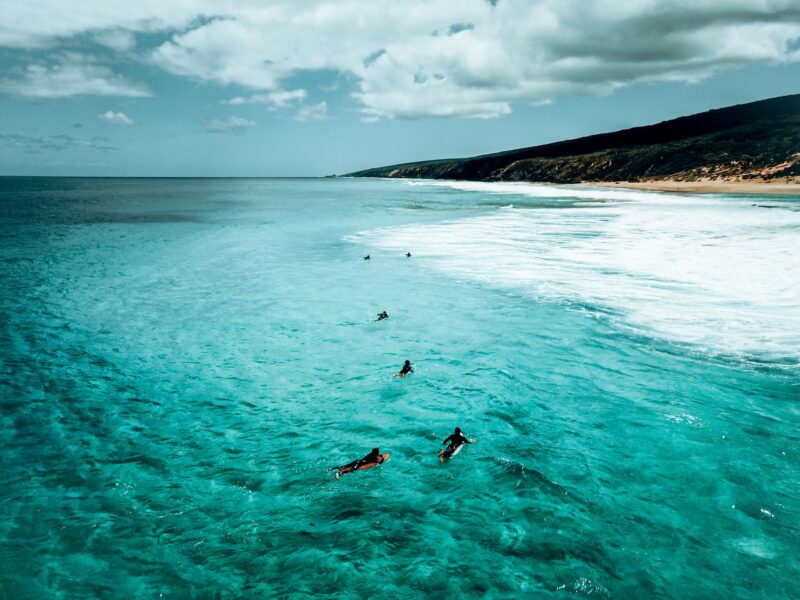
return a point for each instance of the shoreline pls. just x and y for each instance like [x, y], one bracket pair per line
[778, 187]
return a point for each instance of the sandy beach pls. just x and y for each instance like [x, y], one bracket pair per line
[784, 186]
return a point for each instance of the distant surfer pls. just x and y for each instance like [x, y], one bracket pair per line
[405, 370]
[366, 257]
[381, 316]
[408, 254]
[456, 441]
[370, 460]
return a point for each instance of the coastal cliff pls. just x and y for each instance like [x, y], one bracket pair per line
[758, 141]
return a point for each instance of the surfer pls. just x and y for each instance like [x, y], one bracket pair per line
[366, 257]
[405, 370]
[373, 458]
[455, 441]
[408, 254]
[381, 316]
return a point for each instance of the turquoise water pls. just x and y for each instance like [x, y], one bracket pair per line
[180, 360]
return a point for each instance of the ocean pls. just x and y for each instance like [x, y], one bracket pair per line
[181, 360]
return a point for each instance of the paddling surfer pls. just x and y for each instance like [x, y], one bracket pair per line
[373, 458]
[455, 441]
[407, 368]
[381, 316]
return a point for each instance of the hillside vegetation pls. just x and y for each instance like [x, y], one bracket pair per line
[759, 140]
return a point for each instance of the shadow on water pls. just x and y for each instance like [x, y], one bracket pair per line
[393, 391]
[524, 477]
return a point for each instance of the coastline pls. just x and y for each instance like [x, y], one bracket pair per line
[784, 186]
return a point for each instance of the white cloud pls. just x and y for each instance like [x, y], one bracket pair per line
[40, 23]
[228, 125]
[425, 58]
[275, 100]
[484, 58]
[312, 112]
[72, 75]
[116, 118]
[116, 39]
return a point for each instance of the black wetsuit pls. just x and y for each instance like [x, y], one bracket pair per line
[405, 370]
[367, 460]
[455, 440]
[382, 316]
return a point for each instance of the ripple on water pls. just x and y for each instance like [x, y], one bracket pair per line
[172, 394]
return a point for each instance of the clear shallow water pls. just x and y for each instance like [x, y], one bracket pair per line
[180, 360]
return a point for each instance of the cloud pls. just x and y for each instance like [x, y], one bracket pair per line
[228, 125]
[368, 60]
[72, 75]
[116, 39]
[39, 144]
[459, 27]
[489, 56]
[275, 100]
[422, 58]
[223, 51]
[116, 118]
[312, 112]
[41, 23]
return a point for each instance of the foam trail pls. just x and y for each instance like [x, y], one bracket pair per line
[715, 272]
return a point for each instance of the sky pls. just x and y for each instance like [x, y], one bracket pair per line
[307, 88]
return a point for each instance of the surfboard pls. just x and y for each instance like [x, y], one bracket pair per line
[443, 456]
[345, 471]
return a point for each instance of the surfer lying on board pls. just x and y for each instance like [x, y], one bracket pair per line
[373, 458]
[381, 316]
[405, 370]
[456, 440]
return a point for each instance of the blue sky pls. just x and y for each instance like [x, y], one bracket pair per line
[186, 88]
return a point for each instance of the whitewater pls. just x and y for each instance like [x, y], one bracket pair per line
[718, 272]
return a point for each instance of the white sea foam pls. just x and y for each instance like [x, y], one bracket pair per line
[716, 272]
[536, 190]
